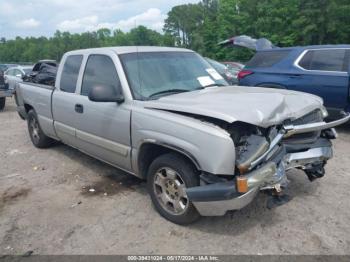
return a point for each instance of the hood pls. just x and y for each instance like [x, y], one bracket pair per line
[248, 42]
[258, 106]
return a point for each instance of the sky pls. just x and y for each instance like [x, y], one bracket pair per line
[43, 17]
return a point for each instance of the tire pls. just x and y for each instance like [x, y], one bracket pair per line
[39, 139]
[2, 103]
[168, 176]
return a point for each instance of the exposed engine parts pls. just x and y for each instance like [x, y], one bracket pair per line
[249, 149]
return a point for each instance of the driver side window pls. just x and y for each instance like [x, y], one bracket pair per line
[100, 71]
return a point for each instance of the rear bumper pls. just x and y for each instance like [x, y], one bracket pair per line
[216, 199]
[6, 93]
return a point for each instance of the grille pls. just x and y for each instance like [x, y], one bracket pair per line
[313, 117]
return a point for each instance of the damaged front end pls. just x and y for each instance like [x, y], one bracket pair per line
[262, 158]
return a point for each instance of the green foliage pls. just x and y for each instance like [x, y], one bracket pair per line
[202, 26]
[285, 23]
[32, 49]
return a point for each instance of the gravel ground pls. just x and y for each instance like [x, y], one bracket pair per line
[46, 207]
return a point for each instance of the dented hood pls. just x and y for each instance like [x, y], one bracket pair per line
[258, 106]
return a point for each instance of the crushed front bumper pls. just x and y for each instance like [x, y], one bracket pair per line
[217, 198]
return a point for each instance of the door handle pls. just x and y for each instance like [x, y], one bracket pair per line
[79, 108]
[295, 76]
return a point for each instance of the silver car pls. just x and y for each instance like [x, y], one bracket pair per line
[14, 75]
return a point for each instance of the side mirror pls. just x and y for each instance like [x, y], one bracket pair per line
[103, 93]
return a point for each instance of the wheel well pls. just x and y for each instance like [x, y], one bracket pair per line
[150, 151]
[28, 107]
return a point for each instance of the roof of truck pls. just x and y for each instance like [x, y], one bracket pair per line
[132, 49]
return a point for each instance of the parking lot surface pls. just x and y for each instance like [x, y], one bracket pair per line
[60, 201]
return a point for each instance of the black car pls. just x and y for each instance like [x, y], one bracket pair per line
[44, 72]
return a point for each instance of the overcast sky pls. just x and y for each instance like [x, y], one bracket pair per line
[44, 17]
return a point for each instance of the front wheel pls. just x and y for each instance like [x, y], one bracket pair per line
[2, 103]
[39, 139]
[168, 177]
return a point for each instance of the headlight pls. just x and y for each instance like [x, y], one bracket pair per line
[324, 112]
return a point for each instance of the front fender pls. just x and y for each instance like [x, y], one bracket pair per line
[210, 147]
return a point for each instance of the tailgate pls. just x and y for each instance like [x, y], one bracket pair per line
[248, 42]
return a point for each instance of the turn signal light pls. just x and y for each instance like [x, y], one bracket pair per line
[242, 184]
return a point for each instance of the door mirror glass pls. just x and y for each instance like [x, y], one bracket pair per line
[102, 93]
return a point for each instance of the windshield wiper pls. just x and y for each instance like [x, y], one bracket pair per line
[211, 85]
[169, 91]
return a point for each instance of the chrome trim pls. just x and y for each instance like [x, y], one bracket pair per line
[273, 143]
[290, 130]
[301, 56]
[299, 129]
[301, 159]
[219, 208]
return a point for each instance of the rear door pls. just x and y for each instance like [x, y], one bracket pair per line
[325, 72]
[64, 100]
[103, 128]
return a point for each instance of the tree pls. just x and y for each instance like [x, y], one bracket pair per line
[182, 23]
[202, 26]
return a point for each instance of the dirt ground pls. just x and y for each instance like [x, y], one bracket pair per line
[46, 207]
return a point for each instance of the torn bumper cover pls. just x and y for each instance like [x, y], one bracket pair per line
[270, 172]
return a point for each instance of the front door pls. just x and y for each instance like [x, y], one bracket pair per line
[103, 128]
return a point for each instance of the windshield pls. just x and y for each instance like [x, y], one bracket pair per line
[155, 74]
[27, 71]
[221, 68]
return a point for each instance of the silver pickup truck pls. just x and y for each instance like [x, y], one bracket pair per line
[166, 116]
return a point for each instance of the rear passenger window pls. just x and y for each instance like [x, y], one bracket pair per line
[267, 58]
[324, 60]
[100, 71]
[70, 73]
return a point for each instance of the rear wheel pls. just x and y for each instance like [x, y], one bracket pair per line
[2, 102]
[168, 177]
[39, 139]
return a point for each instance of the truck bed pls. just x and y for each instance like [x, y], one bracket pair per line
[37, 97]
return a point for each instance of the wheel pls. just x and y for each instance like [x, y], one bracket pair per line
[39, 139]
[2, 102]
[168, 177]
